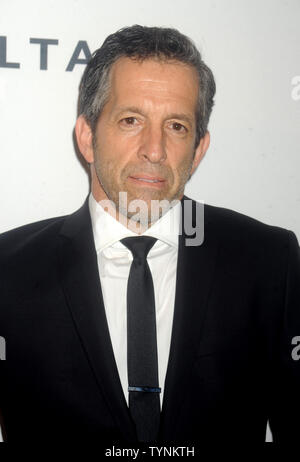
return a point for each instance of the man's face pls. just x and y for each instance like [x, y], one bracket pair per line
[147, 131]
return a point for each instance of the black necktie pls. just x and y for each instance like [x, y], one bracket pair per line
[142, 364]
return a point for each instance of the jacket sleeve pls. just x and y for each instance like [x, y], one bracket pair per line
[284, 392]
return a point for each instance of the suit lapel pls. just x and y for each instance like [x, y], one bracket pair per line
[195, 269]
[81, 283]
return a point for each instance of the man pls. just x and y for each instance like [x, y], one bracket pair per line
[183, 343]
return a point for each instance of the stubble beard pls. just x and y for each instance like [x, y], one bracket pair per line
[145, 216]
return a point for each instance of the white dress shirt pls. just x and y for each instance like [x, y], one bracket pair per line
[114, 261]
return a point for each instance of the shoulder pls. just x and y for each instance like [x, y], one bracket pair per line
[238, 231]
[231, 220]
[35, 244]
[30, 235]
[42, 234]
[28, 253]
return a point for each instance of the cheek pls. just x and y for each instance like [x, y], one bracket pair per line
[183, 170]
[119, 149]
[179, 148]
[181, 160]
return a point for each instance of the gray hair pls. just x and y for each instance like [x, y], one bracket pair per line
[141, 42]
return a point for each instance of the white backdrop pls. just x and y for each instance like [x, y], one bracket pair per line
[253, 48]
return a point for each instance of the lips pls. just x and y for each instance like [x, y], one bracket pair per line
[147, 178]
[140, 179]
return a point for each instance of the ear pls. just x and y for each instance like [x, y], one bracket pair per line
[200, 151]
[84, 138]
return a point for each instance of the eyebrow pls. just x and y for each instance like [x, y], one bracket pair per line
[173, 115]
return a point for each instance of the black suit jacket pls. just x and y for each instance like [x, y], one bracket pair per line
[230, 369]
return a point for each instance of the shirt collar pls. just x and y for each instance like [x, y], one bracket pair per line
[107, 230]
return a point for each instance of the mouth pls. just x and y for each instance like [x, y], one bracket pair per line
[146, 180]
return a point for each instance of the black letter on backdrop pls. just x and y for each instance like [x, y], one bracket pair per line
[44, 50]
[81, 46]
[3, 62]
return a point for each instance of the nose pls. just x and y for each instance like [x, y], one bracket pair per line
[152, 147]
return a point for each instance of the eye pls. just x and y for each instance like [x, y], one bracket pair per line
[128, 121]
[178, 127]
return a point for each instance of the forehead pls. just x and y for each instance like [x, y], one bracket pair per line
[154, 78]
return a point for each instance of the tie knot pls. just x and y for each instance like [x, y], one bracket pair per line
[139, 246]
